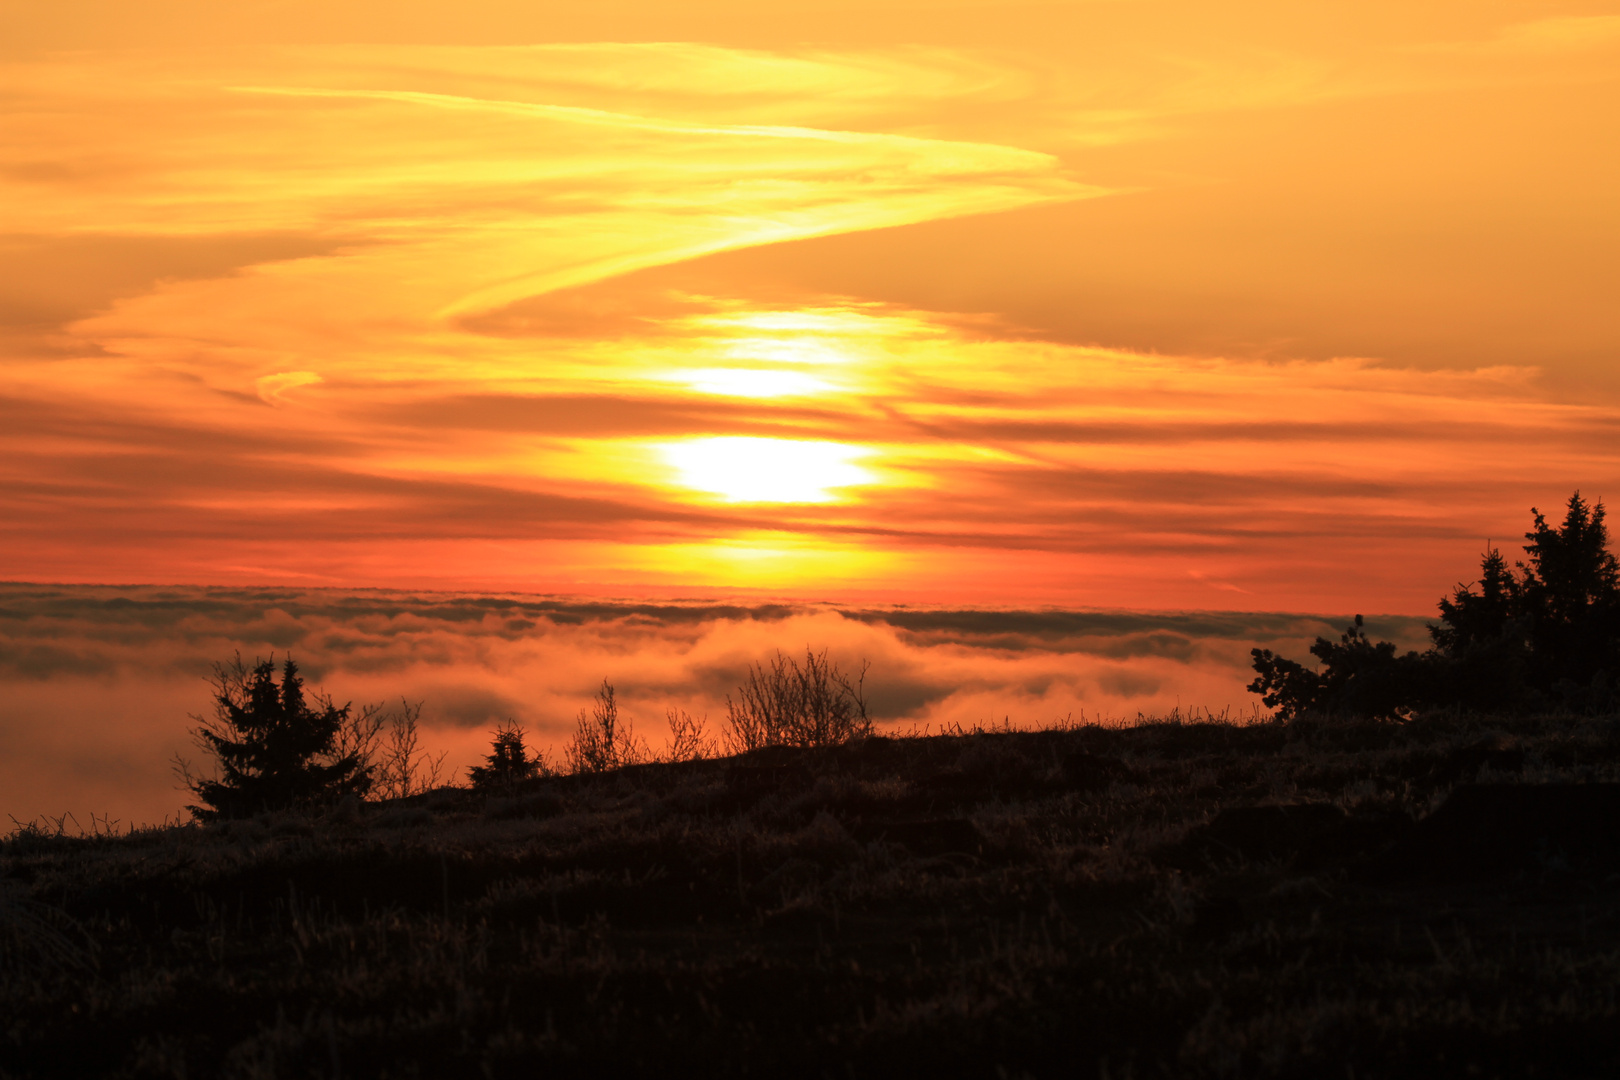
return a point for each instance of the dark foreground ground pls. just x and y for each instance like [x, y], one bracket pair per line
[1440, 898]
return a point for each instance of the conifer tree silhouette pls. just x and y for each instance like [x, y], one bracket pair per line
[1469, 619]
[273, 750]
[1569, 599]
[508, 760]
[1544, 634]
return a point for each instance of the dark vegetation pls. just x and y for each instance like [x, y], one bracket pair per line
[272, 749]
[1294, 899]
[791, 704]
[1363, 886]
[604, 740]
[1542, 635]
[509, 761]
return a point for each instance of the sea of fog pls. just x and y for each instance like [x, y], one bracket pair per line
[97, 683]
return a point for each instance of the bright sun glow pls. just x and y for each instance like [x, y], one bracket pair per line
[773, 350]
[752, 382]
[742, 469]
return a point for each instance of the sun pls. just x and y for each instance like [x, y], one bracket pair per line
[754, 470]
[753, 382]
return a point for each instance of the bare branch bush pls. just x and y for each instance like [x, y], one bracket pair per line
[604, 741]
[689, 739]
[786, 703]
[230, 683]
[357, 735]
[403, 767]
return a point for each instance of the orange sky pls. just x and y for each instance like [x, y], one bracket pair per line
[1155, 305]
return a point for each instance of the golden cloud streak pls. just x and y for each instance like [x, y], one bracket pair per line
[522, 280]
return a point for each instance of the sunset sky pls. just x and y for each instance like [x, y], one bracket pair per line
[1254, 306]
[1096, 306]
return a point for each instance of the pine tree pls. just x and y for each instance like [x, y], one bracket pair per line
[508, 760]
[1570, 599]
[1469, 619]
[273, 749]
[1545, 634]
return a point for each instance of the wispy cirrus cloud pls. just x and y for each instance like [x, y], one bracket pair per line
[838, 321]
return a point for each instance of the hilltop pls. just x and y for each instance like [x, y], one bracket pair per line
[1308, 898]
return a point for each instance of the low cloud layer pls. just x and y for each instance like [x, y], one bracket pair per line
[98, 681]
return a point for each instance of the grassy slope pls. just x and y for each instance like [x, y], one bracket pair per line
[1054, 903]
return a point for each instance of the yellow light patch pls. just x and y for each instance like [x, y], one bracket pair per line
[273, 389]
[753, 382]
[787, 350]
[744, 469]
[762, 560]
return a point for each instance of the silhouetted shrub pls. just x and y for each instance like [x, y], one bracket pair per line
[813, 704]
[404, 768]
[1545, 634]
[604, 740]
[688, 738]
[272, 748]
[1360, 676]
[508, 762]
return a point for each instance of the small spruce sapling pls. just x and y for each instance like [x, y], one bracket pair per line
[509, 761]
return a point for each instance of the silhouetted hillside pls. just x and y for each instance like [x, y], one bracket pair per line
[1296, 899]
